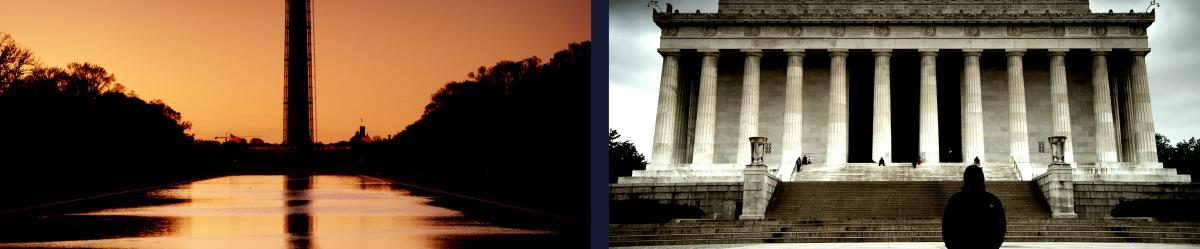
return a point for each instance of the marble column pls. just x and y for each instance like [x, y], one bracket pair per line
[1018, 126]
[706, 110]
[1128, 135]
[748, 120]
[1106, 144]
[928, 127]
[1143, 119]
[665, 125]
[972, 119]
[1114, 86]
[839, 108]
[881, 123]
[1060, 111]
[793, 114]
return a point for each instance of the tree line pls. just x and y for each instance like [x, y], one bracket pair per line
[76, 124]
[515, 132]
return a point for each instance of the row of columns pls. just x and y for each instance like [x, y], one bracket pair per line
[1139, 126]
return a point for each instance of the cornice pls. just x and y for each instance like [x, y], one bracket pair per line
[1043, 18]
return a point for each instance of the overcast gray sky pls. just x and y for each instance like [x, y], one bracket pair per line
[635, 66]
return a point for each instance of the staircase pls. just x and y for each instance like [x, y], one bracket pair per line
[893, 200]
[893, 230]
[886, 211]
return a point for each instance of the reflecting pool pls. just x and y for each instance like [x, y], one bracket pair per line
[267, 211]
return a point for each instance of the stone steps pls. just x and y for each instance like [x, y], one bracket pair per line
[909, 200]
[889, 211]
[1041, 229]
[894, 230]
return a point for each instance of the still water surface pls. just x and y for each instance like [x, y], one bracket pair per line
[272, 212]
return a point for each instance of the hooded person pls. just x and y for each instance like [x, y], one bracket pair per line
[973, 218]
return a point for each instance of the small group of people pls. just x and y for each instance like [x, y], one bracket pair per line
[802, 161]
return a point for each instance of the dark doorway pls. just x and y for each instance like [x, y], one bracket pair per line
[860, 79]
[906, 99]
[949, 78]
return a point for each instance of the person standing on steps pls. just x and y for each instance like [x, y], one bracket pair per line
[881, 162]
[977, 161]
[973, 218]
[800, 162]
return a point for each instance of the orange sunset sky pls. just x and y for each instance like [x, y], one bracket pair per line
[220, 62]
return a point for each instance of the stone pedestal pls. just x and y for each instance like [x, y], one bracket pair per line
[1058, 188]
[758, 185]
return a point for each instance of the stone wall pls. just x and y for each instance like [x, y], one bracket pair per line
[1095, 200]
[1037, 108]
[1083, 115]
[772, 91]
[816, 106]
[993, 78]
[718, 200]
[729, 101]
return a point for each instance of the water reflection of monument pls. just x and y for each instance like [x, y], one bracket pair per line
[299, 221]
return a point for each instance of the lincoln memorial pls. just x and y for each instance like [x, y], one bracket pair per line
[941, 82]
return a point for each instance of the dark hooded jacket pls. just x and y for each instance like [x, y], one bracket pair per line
[973, 218]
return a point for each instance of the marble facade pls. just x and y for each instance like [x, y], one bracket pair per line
[943, 82]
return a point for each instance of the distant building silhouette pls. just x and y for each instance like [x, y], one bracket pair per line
[298, 125]
[360, 136]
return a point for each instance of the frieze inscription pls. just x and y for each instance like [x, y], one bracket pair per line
[929, 31]
[903, 6]
[882, 31]
[795, 31]
[1015, 31]
[671, 31]
[902, 31]
[1079, 30]
[972, 31]
[1137, 30]
[838, 31]
[1100, 31]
